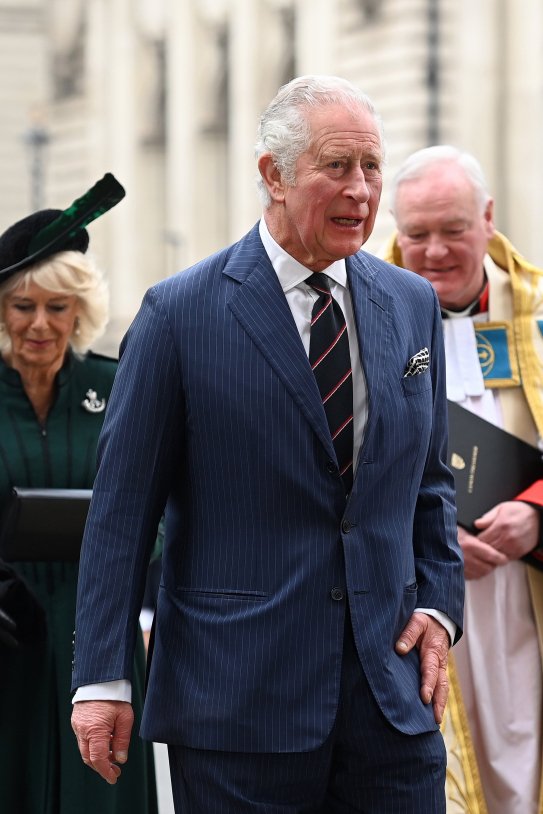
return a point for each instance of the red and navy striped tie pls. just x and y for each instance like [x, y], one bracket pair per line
[331, 363]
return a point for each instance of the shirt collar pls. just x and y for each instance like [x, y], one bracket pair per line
[289, 271]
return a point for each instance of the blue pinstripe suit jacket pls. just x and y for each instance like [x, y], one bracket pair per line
[215, 413]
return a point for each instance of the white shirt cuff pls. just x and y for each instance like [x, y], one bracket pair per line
[119, 690]
[442, 618]
[146, 619]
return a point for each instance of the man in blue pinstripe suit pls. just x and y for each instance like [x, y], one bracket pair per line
[300, 646]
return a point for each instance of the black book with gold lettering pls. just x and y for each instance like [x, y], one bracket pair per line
[489, 464]
[44, 524]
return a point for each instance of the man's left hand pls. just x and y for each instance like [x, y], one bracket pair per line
[511, 527]
[432, 641]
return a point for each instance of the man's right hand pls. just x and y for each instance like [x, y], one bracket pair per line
[479, 558]
[103, 729]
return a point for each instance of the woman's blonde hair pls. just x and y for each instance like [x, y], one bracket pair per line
[68, 273]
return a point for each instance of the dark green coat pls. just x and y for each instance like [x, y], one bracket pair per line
[41, 771]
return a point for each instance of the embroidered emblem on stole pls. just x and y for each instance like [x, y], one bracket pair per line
[497, 354]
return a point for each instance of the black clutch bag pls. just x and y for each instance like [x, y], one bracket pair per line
[489, 464]
[44, 524]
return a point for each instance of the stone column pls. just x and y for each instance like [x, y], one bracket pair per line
[181, 135]
[244, 36]
[477, 85]
[113, 143]
[316, 36]
[522, 195]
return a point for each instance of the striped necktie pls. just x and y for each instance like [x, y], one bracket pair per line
[331, 363]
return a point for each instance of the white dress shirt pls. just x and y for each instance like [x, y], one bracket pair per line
[301, 298]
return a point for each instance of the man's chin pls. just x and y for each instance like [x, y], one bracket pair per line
[444, 293]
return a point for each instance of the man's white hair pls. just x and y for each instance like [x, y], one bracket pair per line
[284, 131]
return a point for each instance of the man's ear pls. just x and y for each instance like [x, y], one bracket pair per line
[271, 177]
[488, 217]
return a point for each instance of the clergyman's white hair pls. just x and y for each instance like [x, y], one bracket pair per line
[417, 164]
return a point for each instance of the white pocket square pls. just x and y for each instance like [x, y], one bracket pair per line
[418, 363]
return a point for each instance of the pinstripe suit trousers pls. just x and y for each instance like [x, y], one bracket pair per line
[364, 766]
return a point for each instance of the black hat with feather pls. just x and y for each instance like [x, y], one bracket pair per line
[50, 231]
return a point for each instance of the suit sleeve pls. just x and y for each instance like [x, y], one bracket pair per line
[139, 454]
[439, 561]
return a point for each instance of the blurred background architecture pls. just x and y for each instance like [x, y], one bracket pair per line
[166, 95]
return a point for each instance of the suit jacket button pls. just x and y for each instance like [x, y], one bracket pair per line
[336, 594]
[346, 526]
[331, 467]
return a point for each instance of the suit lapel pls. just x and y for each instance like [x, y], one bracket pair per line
[261, 308]
[372, 307]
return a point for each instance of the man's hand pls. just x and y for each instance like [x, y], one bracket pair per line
[480, 558]
[103, 729]
[511, 528]
[432, 641]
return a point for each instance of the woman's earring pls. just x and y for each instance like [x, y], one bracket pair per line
[77, 330]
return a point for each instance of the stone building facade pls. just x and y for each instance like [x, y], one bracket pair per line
[166, 95]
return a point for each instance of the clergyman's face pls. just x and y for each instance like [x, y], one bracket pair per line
[443, 232]
[330, 210]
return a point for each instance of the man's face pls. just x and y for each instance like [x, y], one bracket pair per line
[330, 211]
[443, 234]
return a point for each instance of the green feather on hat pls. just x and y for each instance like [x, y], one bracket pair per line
[50, 231]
